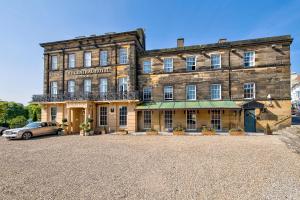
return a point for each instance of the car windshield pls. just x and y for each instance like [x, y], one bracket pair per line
[33, 125]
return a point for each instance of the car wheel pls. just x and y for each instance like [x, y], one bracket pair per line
[26, 136]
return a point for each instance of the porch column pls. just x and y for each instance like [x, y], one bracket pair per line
[69, 120]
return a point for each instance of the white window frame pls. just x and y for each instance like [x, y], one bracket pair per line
[54, 62]
[123, 56]
[213, 65]
[188, 128]
[147, 119]
[53, 116]
[125, 117]
[251, 62]
[103, 58]
[123, 84]
[145, 95]
[103, 86]
[150, 66]
[53, 88]
[187, 63]
[172, 89]
[254, 90]
[87, 60]
[71, 60]
[166, 67]
[212, 92]
[85, 86]
[103, 113]
[212, 119]
[168, 119]
[193, 90]
[71, 87]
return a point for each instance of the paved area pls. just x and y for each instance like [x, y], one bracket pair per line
[149, 167]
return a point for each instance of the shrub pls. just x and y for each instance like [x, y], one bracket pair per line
[17, 122]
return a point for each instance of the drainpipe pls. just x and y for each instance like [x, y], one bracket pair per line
[229, 74]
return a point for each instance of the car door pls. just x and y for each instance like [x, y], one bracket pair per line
[43, 130]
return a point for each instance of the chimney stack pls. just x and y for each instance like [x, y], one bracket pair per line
[222, 40]
[180, 42]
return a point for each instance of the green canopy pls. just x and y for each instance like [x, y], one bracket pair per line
[167, 105]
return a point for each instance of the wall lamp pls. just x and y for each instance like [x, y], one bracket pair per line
[269, 97]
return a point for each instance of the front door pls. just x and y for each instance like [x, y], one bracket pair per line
[77, 119]
[249, 120]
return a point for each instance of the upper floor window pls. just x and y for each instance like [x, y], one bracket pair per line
[147, 94]
[123, 86]
[103, 86]
[249, 90]
[71, 60]
[191, 63]
[168, 64]
[53, 62]
[87, 59]
[215, 60]
[168, 92]
[215, 91]
[249, 59]
[298, 94]
[123, 56]
[191, 92]
[71, 87]
[147, 66]
[53, 88]
[87, 86]
[103, 58]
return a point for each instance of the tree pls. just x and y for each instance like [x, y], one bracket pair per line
[18, 121]
[34, 112]
[10, 110]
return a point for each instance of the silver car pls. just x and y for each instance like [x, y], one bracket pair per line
[31, 130]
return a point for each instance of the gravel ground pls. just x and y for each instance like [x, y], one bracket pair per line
[149, 167]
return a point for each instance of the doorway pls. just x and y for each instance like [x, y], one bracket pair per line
[249, 120]
[77, 119]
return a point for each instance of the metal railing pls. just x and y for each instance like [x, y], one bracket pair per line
[106, 96]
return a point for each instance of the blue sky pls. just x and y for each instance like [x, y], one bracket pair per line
[25, 24]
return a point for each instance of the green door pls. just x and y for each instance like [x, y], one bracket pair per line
[250, 121]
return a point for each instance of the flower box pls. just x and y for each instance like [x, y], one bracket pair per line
[208, 131]
[177, 132]
[236, 132]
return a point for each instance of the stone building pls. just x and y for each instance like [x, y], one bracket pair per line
[114, 80]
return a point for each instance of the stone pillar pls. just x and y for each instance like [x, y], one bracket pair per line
[69, 119]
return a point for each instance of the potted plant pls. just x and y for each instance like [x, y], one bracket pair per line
[236, 131]
[179, 130]
[63, 127]
[85, 128]
[208, 131]
[151, 131]
[102, 130]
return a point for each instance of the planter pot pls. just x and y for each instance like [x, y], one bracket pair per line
[236, 133]
[208, 133]
[152, 132]
[178, 132]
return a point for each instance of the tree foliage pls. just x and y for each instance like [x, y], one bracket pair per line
[16, 114]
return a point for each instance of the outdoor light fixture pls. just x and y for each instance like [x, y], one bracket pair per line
[112, 110]
[270, 100]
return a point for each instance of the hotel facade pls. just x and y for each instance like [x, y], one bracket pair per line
[115, 81]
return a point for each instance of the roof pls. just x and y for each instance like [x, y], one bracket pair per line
[165, 105]
[138, 31]
[283, 38]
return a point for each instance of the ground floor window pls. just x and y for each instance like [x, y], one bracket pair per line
[191, 120]
[168, 119]
[123, 116]
[216, 119]
[147, 119]
[103, 116]
[53, 114]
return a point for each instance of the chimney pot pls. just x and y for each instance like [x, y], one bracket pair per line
[180, 42]
[222, 40]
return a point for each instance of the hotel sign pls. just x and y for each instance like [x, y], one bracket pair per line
[89, 71]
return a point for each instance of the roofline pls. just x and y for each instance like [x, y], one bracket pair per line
[228, 44]
[91, 37]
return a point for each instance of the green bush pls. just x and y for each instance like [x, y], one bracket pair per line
[17, 122]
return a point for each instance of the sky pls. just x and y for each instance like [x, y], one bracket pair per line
[25, 24]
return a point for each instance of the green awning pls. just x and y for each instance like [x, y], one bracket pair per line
[188, 105]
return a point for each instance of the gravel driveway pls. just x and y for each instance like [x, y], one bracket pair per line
[149, 167]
